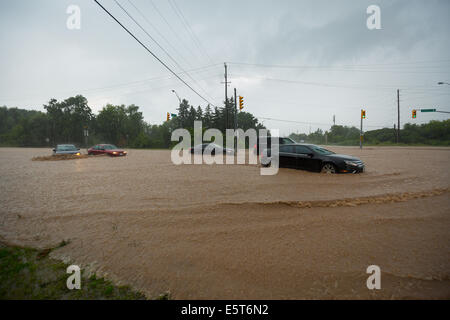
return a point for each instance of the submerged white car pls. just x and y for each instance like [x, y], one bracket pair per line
[66, 149]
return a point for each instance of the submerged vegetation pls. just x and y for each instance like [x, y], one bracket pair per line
[31, 274]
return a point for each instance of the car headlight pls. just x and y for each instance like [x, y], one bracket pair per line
[78, 154]
[124, 152]
[114, 152]
[350, 163]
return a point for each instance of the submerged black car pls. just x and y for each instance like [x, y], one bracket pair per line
[313, 158]
[210, 148]
[268, 143]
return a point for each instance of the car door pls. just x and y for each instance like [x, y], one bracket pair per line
[304, 160]
[307, 159]
[287, 157]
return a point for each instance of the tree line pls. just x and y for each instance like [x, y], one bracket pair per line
[66, 121]
[432, 133]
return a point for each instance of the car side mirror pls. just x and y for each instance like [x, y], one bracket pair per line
[311, 155]
[54, 150]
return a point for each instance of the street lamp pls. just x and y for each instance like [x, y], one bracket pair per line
[441, 82]
[177, 95]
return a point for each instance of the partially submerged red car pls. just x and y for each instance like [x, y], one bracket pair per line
[108, 149]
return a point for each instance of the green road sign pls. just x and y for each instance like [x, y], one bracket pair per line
[173, 115]
[427, 110]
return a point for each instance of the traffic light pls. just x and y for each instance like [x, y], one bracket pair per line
[168, 116]
[363, 114]
[241, 102]
[414, 113]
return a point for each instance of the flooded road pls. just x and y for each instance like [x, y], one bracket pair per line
[225, 231]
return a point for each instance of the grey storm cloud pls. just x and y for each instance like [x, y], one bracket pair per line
[41, 58]
[342, 36]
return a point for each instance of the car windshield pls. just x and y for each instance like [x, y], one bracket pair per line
[109, 147]
[321, 150]
[66, 148]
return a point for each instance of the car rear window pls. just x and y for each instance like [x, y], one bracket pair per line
[67, 148]
[302, 150]
[110, 147]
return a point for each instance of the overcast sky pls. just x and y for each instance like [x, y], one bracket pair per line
[302, 61]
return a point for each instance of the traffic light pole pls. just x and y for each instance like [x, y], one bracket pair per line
[433, 110]
[414, 112]
[235, 121]
[235, 110]
[361, 132]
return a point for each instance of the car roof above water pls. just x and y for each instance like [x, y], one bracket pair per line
[299, 144]
[65, 145]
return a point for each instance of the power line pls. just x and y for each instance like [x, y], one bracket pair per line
[134, 91]
[395, 67]
[336, 66]
[145, 47]
[107, 88]
[153, 39]
[158, 87]
[159, 33]
[171, 29]
[195, 39]
[348, 86]
[319, 83]
[314, 123]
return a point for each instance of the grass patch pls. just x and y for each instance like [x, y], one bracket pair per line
[164, 296]
[31, 274]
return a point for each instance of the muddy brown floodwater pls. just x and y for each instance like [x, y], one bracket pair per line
[226, 232]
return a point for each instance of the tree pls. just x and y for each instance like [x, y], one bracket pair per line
[246, 120]
[134, 125]
[191, 117]
[199, 114]
[182, 119]
[207, 117]
[68, 118]
[111, 123]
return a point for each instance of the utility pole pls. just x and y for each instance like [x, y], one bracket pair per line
[86, 134]
[334, 120]
[395, 131]
[398, 114]
[226, 97]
